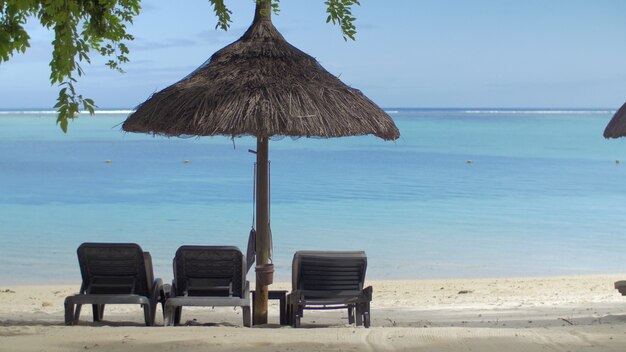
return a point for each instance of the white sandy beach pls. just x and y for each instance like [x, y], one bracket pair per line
[522, 314]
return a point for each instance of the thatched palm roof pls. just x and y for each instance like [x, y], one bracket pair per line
[617, 126]
[261, 86]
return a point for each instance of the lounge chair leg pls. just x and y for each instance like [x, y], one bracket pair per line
[291, 311]
[77, 313]
[350, 315]
[298, 313]
[153, 308]
[162, 299]
[178, 313]
[246, 316]
[148, 317]
[296, 321]
[168, 315]
[359, 314]
[69, 314]
[98, 311]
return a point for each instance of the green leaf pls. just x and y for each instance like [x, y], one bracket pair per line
[222, 13]
[62, 121]
[340, 13]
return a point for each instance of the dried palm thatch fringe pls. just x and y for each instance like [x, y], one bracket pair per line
[261, 86]
[617, 126]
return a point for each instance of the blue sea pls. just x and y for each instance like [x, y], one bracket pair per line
[463, 193]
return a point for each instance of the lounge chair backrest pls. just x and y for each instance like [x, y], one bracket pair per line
[115, 268]
[209, 271]
[328, 271]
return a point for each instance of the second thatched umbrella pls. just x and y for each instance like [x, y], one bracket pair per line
[617, 126]
[261, 86]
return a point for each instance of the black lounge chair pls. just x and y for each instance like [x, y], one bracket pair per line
[329, 280]
[621, 287]
[115, 273]
[208, 276]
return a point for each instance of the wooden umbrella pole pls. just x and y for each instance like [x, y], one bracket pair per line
[262, 13]
[263, 10]
[262, 227]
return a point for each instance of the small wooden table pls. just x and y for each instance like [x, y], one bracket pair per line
[281, 296]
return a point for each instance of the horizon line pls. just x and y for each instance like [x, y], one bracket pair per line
[48, 109]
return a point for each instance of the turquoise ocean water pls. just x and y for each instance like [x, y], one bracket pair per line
[542, 196]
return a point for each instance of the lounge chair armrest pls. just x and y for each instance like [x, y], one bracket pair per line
[157, 290]
[83, 288]
[621, 287]
[167, 289]
[246, 290]
[367, 293]
[295, 296]
[172, 292]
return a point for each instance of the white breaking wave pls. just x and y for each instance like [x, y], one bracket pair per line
[392, 111]
[540, 112]
[110, 112]
[54, 112]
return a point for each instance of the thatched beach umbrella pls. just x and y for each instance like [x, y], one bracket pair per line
[261, 86]
[617, 126]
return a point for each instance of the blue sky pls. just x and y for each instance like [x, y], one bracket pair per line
[408, 53]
